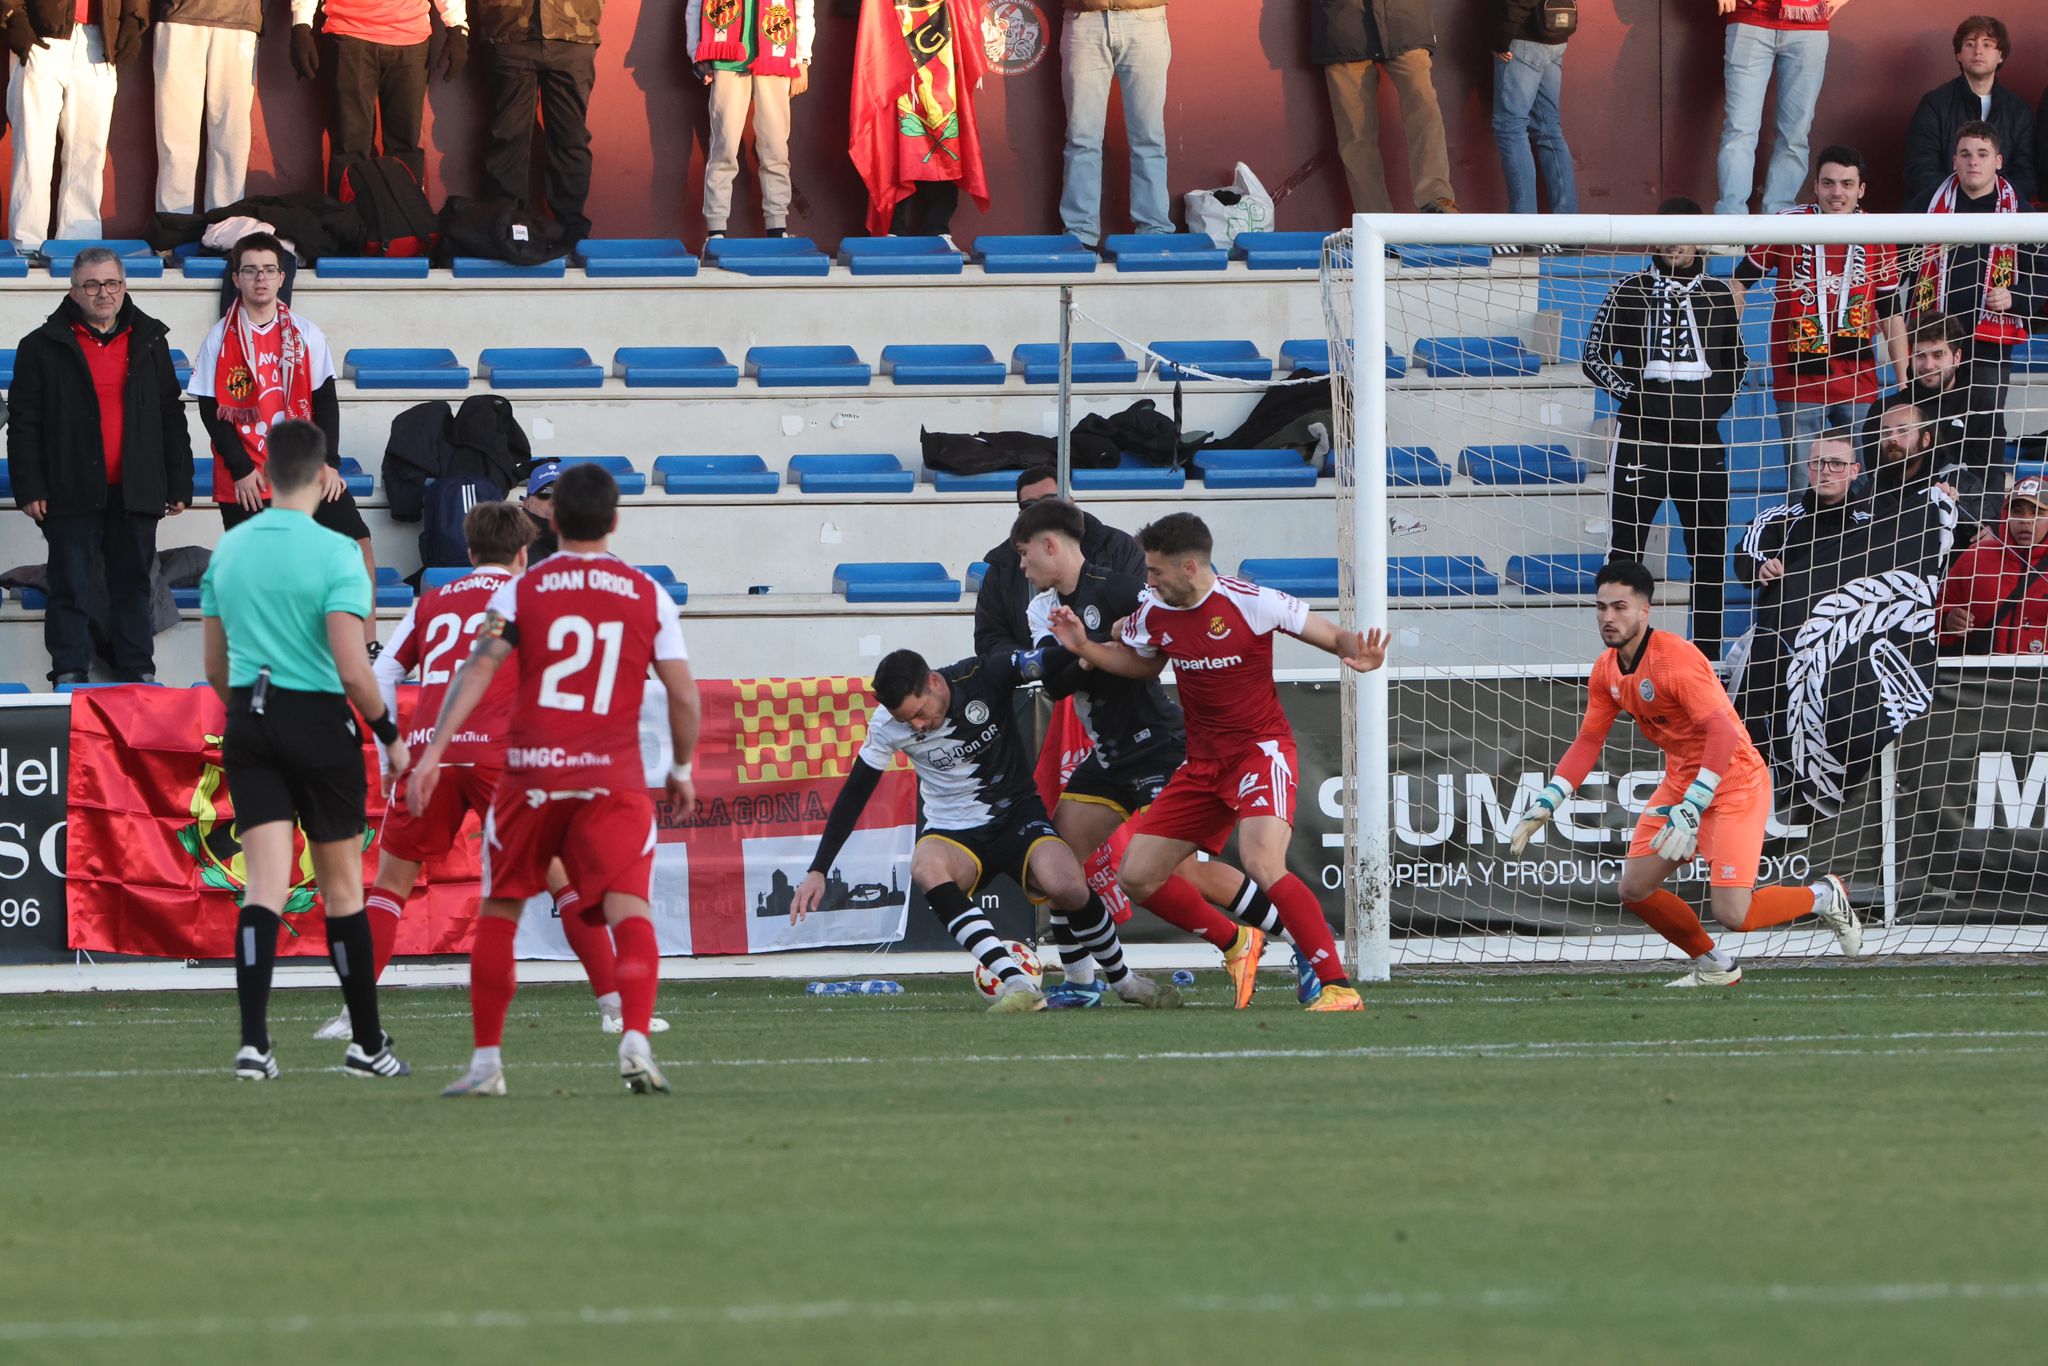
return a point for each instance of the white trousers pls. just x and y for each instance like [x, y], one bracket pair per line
[63, 93]
[205, 79]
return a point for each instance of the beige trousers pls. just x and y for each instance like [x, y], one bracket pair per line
[731, 94]
[1354, 103]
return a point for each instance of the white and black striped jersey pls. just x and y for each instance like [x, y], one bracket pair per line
[974, 769]
[1123, 716]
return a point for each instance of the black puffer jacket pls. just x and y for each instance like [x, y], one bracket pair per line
[1002, 609]
[55, 452]
[1367, 30]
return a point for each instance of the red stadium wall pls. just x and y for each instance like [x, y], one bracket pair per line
[1241, 87]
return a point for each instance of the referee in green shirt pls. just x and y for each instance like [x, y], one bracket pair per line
[284, 601]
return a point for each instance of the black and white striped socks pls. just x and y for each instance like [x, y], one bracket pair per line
[1095, 931]
[965, 922]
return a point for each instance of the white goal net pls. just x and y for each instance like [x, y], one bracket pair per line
[1809, 439]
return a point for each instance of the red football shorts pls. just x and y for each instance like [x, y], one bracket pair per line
[1208, 797]
[432, 833]
[605, 841]
[1731, 831]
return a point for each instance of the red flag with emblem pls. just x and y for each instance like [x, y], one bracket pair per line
[916, 65]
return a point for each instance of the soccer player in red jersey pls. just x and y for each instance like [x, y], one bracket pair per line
[1715, 799]
[436, 635]
[586, 627]
[1239, 774]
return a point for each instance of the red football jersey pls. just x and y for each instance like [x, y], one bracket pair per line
[1222, 653]
[585, 629]
[435, 637]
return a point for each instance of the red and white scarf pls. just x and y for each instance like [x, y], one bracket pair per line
[261, 379]
[1930, 290]
[761, 33]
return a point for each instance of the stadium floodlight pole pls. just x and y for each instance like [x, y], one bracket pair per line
[1066, 433]
[1371, 936]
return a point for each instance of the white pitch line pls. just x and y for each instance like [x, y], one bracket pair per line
[1516, 1050]
[778, 1313]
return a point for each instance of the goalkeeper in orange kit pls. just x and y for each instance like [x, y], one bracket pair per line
[1715, 798]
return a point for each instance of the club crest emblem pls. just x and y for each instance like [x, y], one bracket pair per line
[780, 25]
[1013, 36]
[1648, 690]
[1218, 628]
[241, 384]
[976, 713]
[1091, 617]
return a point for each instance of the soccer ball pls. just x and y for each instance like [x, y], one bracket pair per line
[987, 983]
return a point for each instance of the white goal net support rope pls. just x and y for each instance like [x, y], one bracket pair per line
[1510, 419]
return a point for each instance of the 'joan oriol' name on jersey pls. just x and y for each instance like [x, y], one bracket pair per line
[595, 579]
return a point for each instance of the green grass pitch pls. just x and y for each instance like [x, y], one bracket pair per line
[1820, 1165]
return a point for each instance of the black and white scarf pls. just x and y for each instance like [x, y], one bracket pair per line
[1676, 352]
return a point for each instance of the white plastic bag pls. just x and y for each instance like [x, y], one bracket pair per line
[1241, 206]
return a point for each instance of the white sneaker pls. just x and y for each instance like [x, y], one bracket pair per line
[336, 1028]
[1832, 906]
[1018, 997]
[478, 1081]
[1709, 977]
[616, 1024]
[1139, 990]
[636, 1066]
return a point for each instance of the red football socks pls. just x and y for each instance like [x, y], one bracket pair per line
[591, 943]
[383, 906]
[1775, 905]
[1181, 906]
[493, 980]
[639, 970]
[1302, 914]
[1666, 913]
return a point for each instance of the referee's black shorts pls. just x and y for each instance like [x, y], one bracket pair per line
[341, 515]
[301, 760]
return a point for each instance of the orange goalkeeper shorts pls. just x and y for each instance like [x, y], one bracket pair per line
[1731, 831]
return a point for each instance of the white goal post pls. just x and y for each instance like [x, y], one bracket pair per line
[1945, 825]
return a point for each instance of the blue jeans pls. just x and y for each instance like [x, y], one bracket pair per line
[1132, 48]
[1752, 55]
[1525, 109]
[1800, 423]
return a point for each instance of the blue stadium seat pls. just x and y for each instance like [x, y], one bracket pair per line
[6, 481]
[895, 581]
[1092, 363]
[1756, 447]
[1556, 573]
[359, 481]
[907, 363]
[607, 258]
[1449, 357]
[997, 481]
[1277, 469]
[900, 256]
[13, 265]
[185, 599]
[767, 256]
[1154, 251]
[1279, 250]
[783, 367]
[863, 473]
[1397, 366]
[484, 268]
[85, 687]
[677, 590]
[390, 590]
[1129, 473]
[540, 367]
[1460, 257]
[331, 268]
[1416, 467]
[181, 367]
[1757, 303]
[440, 577]
[1234, 359]
[1306, 353]
[716, 475]
[404, 367]
[675, 367]
[35, 599]
[2030, 357]
[12, 688]
[1304, 578]
[976, 572]
[1522, 464]
[7, 368]
[1439, 576]
[630, 480]
[195, 267]
[202, 476]
[1035, 254]
[1574, 287]
[138, 258]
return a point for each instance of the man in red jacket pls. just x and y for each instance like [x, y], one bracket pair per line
[1996, 597]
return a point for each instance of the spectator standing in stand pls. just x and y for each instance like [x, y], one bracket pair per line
[377, 59]
[60, 88]
[545, 50]
[754, 55]
[1354, 41]
[1528, 82]
[205, 63]
[1765, 39]
[1125, 42]
[1982, 46]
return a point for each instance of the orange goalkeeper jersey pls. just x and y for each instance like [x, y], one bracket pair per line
[1679, 705]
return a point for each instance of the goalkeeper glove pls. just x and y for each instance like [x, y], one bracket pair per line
[1679, 840]
[1547, 801]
